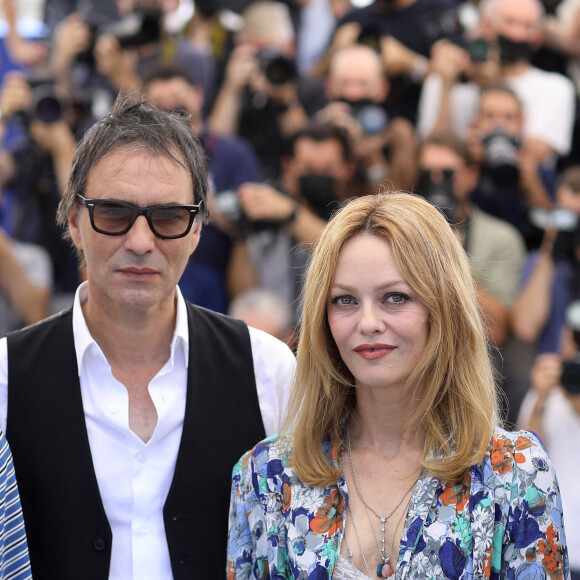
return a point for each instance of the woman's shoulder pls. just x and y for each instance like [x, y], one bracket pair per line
[268, 458]
[516, 456]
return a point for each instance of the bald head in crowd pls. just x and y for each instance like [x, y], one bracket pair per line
[356, 72]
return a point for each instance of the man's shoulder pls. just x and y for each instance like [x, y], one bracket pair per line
[498, 226]
[42, 327]
[547, 80]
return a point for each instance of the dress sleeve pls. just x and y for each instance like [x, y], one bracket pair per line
[534, 540]
[14, 560]
[246, 530]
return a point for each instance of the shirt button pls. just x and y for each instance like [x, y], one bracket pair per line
[141, 458]
[99, 544]
[114, 409]
[144, 528]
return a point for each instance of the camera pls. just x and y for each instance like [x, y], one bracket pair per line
[277, 68]
[443, 24]
[227, 204]
[370, 36]
[372, 118]
[478, 49]
[46, 105]
[570, 377]
[140, 27]
[501, 157]
[565, 222]
[439, 193]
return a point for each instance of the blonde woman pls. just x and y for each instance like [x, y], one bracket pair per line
[395, 463]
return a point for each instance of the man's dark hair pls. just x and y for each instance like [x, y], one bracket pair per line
[320, 132]
[449, 141]
[136, 125]
[167, 72]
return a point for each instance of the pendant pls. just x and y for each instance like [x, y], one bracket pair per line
[384, 569]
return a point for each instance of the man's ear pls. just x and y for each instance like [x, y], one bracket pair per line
[74, 227]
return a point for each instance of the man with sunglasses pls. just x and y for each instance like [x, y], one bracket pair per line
[126, 413]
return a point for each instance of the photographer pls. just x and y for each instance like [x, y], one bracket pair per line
[509, 33]
[404, 32]
[39, 162]
[280, 223]
[384, 147]
[100, 59]
[551, 273]
[512, 181]
[551, 408]
[262, 97]
[231, 162]
[447, 176]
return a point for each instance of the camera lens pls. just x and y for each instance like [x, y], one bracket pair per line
[570, 378]
[278, 69]
[372, 118]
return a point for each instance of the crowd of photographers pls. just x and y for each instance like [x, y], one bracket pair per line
[300, 105]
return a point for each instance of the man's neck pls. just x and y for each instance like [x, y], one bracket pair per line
[132, 338]
[515, 69]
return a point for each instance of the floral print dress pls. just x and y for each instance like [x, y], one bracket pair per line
[504, 520]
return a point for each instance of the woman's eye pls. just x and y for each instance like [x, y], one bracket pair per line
[343, 300]
[396, 298]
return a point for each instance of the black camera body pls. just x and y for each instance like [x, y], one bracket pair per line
[501, 157]
[140, 27]
[277, 67]
[440, 193]
[570, 377]
[46, 105]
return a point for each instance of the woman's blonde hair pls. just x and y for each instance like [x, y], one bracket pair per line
[453, 379]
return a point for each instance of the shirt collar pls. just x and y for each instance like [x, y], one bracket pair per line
[85, 343]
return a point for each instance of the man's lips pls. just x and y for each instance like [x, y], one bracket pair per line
[373, 351]
[137, 272]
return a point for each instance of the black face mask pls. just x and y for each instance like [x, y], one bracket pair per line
[511, 51]
[320, 192]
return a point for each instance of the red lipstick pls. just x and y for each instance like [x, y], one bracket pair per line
[373, 351]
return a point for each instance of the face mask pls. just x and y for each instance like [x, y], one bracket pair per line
[511, 51]
[320, 192]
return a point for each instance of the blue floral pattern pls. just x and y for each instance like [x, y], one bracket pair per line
[503, 520]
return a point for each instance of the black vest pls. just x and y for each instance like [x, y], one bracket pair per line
[68, 533]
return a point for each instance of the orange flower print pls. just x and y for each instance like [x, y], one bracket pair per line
[522, 444]
[286, 496]
[328, 518]
[501, 455]
[457, 494]
[552, 554]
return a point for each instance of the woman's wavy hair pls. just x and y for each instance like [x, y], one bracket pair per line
[453, 380]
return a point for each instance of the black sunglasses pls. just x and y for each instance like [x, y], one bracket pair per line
[115, 218]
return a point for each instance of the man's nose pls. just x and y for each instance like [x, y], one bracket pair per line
[140, 239]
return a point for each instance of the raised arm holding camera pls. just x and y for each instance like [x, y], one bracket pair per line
[551, 409]
[384, 147]
[262, 97]
[551, 273]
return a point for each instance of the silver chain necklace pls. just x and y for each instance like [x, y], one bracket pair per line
[383, 519]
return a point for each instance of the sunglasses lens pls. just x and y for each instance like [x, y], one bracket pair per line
[170, 221]
[112, 218]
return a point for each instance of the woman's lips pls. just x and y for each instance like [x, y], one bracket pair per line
[373, 351]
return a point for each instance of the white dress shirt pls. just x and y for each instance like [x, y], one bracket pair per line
[134, 477]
